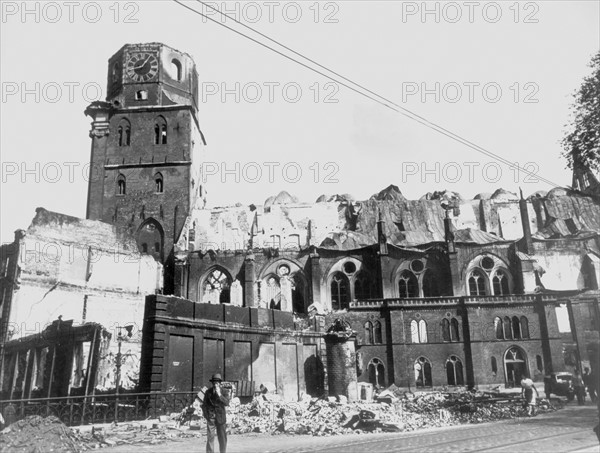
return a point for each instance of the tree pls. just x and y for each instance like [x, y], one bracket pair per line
[582, 142]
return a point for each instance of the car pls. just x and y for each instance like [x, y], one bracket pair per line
[560, 384]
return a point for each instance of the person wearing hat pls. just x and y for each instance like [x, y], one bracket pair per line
[213, 408]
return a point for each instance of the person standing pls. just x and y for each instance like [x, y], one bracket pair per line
[590, 382]
[579, 387]
[213, 409]
[527, 392]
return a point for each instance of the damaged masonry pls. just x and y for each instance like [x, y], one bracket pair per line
[315, 302]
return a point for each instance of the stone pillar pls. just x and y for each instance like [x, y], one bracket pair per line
[341, 361]
[249, 277]
[315, 278]
[457, 289]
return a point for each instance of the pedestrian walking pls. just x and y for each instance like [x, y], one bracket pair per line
[530, 394]
[579, 388]
[590, 382]
[213, 409]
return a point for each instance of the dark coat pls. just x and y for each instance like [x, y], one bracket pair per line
[213, 406]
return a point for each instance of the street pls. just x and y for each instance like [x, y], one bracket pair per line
[566, 430]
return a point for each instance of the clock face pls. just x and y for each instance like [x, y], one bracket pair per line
[142, 67]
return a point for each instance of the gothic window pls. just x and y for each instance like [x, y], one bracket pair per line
[272, 292]
[414, 331]
[368, 332]
[515, 366]
[362, 287]
[445, 330]
[477, 283]
[498, 327]
[423, 372]
[158, 183]
[454, 371]
[124, 133]
[454, 331]
[408, 285]
[176, 69]
[376, 373]
[217, 288]
[500, 284]
[121, 185]
[508, 328]
[340, 294]
[160, 131]
[150, 238]
[494, 365]
[516, 328]
[524, 328]
[422, 331]
[377, 337]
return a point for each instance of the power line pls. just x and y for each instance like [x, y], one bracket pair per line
[386, 102]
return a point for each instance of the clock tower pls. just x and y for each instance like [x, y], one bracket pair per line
[146, 148]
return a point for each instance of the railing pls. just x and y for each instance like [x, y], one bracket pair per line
[82, 410]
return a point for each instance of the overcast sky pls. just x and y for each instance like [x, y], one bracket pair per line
[499, 74]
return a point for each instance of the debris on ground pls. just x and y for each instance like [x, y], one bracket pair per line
[391, 411]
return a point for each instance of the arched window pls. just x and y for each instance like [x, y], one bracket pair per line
[500, 284]
[340, 294]
[378, 338]
[216, 288]
[376, 372]
[298, 292]
[423, 372]
[445, 330]
[368, 332]
[408, 285]
[414, 331]
[124, 133]
[515, 366]
[494, 365]
[454, 371]
[454, 332]
[158, 183]
[150, 234]
[362, 286]
[477, 284]
[524, 328]
[508, 328]
[498, 327]
[271, 292]
[160, 131]
[176, 69]
[422, 331]
[121, 185]
[516, 328]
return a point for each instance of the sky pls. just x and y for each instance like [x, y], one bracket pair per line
[499, 74]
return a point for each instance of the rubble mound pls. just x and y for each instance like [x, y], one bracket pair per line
[390, 413]
[38, 434]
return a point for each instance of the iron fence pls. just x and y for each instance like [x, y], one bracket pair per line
[84, 410]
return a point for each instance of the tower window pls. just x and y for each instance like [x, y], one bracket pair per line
[158, 183]
[141, 95]
[177, 72]
[121, 185]
[124, 133]
[160, 131]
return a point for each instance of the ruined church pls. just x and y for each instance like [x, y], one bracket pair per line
[332, 297]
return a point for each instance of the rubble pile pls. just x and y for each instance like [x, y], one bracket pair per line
[37, 434]
[390, 413]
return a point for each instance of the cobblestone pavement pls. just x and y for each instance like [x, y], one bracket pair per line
[567, 430]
